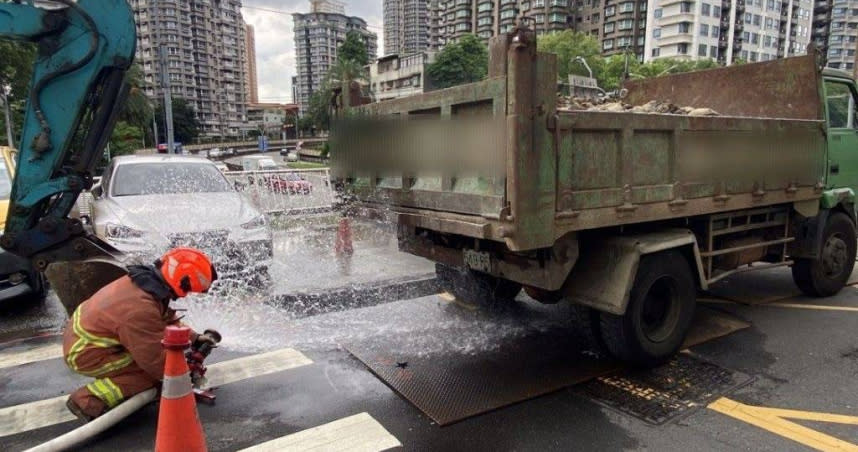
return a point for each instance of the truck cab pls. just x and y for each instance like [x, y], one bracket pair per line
[841, 99]
[18, 277]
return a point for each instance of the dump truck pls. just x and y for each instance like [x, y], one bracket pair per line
[625, 215]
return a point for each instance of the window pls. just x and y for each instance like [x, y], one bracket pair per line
[755, 56]
[755, 38]
[748, 18]
[746, 36]
[767, 41]
[485, 7]
[682, 49]
[609, 27]
[484, 21]
[557, 18]
[713, 52]
[704, 30]
[641, 40]
[505, 14]
[624, 42]
[715, 31]
[745, 55]
[716, 11]
[656, 52]
[559, 3]
[656, 13]
[757, 19]
[642, 7]
[610, 11]
[770, 23]
[770, 5]
[685, 7]
[841, 105]
[684, 27]
[656, 33]
[701, 50]
[704, 9]
[627, 7]
[625, 24]
[607, 44]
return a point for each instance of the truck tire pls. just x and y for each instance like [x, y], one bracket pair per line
[658, 315]
[476, 287]
[828, 274]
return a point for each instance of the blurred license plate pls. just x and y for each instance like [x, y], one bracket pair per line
[477, 260]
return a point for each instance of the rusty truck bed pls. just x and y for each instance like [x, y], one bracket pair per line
[568, 171]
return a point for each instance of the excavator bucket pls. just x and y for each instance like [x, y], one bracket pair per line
[74, 282]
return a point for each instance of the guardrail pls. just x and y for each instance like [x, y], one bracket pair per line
[286, 191]
[234, 144]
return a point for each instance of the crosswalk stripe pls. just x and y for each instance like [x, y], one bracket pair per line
[43, 413]
[358, 433]
[40, 353]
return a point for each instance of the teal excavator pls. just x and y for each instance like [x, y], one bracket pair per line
[85, 47]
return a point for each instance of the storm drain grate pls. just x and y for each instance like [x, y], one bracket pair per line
[664, 393]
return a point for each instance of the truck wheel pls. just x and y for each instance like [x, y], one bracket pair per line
[475, 287]
[828, 274]
[658, 315]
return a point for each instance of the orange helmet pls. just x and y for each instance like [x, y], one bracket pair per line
[187, 270]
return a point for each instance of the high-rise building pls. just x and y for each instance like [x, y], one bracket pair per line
[835, 30]
[452, 19]
[728, 31]
[318, 36]
[204, 58]
[252, 81]
[406, 26]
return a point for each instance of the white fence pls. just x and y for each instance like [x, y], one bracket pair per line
[285, 191]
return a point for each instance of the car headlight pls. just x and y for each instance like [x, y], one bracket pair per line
[119, 231]
[256, 223]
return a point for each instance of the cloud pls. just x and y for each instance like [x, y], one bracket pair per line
[275, 40]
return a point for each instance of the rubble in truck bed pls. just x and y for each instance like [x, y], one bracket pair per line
[612, 105]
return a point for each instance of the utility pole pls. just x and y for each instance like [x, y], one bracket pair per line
[7, 111]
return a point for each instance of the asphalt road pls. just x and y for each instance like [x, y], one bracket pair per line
[800, 357]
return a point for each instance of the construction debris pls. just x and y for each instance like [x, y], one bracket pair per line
[611, 105]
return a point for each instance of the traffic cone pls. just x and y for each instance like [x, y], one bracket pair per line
[343, 244]
[179, 427]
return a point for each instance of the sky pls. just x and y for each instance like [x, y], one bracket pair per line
[275, 46]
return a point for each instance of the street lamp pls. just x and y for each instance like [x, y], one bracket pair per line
[581, 60]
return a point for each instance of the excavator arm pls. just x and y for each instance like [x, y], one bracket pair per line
[85, 47]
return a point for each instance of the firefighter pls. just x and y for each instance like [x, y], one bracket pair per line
[115, 336]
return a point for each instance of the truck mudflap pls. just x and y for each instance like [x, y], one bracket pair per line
[603, 276]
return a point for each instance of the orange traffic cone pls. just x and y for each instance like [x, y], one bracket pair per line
[179, 427]
[343, 244]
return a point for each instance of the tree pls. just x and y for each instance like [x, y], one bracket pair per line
[568, 45]
[353, 49]
[463, 61]
[186, 126]
[124, 140]
[15, 72]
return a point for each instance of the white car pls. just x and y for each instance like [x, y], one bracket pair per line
[148, 204]
[215, 152]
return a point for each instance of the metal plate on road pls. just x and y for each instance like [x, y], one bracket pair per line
[661, 394]
[450, 387]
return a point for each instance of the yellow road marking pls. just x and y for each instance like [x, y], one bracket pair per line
[44, 413]
[774, 420]
[817, 307]
[358, 433]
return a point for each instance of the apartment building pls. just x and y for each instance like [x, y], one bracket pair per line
[406, 26]
[393, 76]
[204, 62]
[487, 18]
[318, 36]
[727, 31]
[252, 81]
[842, 32]
[623, 27]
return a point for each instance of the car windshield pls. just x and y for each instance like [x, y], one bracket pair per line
[168, 177]
[5, 181]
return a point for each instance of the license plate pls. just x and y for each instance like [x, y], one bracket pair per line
[477, 260]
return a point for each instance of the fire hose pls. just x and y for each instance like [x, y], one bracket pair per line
[100, 424]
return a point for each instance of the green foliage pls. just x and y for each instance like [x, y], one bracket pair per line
[186, 126]
[319, 111]
[568, 45]
[608, 71]
[124, 140]
[326, 150]
[15, 70]
[353, 49]
[463, 61]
